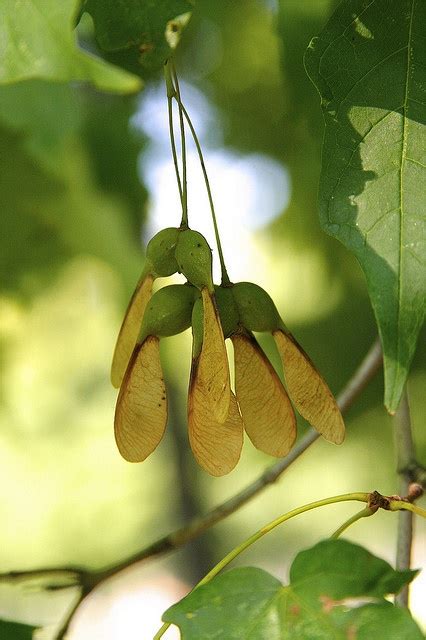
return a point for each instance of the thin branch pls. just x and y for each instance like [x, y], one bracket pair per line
[67, 576]
[360, 379]
[63, 630]
[405, 455]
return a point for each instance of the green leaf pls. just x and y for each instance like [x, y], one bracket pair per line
[147, 30]
[329, 585]
[369, 66]
[44, 114]
[229, 606]
[38, 42]
[48, 190]
[15, 630]
[382, 621]
[368, 575]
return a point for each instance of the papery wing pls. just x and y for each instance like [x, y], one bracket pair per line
[141, 411]
[216, 446]
[213, 368]
[130, 328]
[268, 416]
[308, 391]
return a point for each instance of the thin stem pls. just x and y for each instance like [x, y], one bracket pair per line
[225, 278]
[405, 454]
[364, 513]
[173, 145]
[184, 221]
[360, 497]
[63, 630]
[402, 505]
[171, 92]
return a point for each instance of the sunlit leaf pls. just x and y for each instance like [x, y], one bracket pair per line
[148, 30]
[141, 412]
[130, 328]
[369, 66]
[268, 416]
[38, 42]
[308, 391]
[336, 591]
[216, 446]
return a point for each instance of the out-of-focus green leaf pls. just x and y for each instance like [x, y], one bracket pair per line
[369, 66]
[114, 146]
[53, 204]
[38, 42]
[148, 30]
[15, 630]
[44, 115]
[329, 585]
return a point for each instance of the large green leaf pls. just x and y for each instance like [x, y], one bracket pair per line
[38, 42]
[15, 630]
[146, 30]
[369, 66]
[325, 599]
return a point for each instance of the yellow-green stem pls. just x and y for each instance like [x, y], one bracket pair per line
[398, 505]
[364, 513]
[225, 278]
[360, 497]
[184, 222]
[170, 95]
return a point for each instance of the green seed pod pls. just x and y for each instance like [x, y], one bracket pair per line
[256, 308]
[194, 258]
[169, 311]
[160, 252]
[197, 327]
[228, 310]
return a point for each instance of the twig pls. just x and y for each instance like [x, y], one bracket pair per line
[360, 379]
[63, 630]
[67, 576]
[405, 454]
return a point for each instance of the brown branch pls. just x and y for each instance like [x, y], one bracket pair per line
[404, 448]
[89, 580]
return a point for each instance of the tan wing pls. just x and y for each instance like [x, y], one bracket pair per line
[268, 416]
[213, 368]
[216, 446]
[130, 328]
[308, 391]
[141, 411]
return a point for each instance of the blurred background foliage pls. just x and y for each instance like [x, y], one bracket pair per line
[81, 187]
